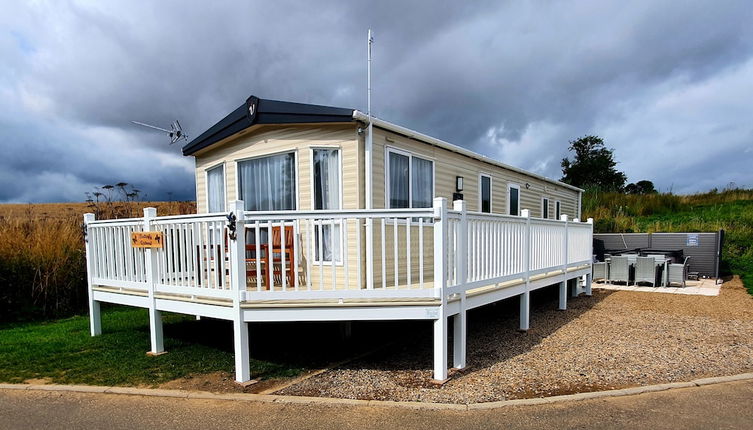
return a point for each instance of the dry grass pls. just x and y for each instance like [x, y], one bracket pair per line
[42, 261]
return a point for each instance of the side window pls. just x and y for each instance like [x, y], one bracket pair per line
[485, 193]
[557, 209]
[513, 199]
[544, 207]
[410, 181]
[216, 189]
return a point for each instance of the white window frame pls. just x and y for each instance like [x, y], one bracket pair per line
[545, 214]
[557, 209]
[517, 187]
[491, 192]
[224, 184]
[340, 191]
[410, 156]
[296, 167]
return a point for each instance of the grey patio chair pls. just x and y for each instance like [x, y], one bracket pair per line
[645, 270]
[678, 273]
[600, 272]
[619, 269]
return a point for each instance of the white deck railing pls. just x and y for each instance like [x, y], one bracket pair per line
[369, 254]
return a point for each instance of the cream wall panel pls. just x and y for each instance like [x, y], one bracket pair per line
[448, 165]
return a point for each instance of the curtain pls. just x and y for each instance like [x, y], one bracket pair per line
[327, 196]
[268, 183]
[216, 189]
[398, 180]
[423, 183]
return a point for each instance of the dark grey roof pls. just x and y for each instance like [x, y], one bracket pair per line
[263, 111]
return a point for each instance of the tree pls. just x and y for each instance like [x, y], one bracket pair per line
[640, 187]
[593, 166]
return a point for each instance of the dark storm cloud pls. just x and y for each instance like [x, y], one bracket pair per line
[513, 80]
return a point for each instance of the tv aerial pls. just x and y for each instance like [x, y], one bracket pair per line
[176, 131]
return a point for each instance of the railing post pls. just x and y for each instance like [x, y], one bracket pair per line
[238, 285]
[440, 281]
[563, 284]
[525, 305]
[576, 281]
[95, 317]
[369, 225]
[589, 276]
[150, 266]
[459, 321]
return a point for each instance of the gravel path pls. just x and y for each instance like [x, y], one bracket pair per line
[611, 340]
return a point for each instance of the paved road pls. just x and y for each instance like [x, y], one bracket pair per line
[728, 405]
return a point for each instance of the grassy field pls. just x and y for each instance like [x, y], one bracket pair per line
[63, 352]
[42, 262]
[730, 210]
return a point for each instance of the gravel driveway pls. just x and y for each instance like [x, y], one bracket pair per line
[611, 340]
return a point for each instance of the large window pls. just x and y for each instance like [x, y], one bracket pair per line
[544, 207]
[216, 189]
[326, 182]
[513, 199]
[485, 193]
[410, 180]
[268, 183]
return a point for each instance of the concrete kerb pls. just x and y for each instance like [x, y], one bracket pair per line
[328, 401]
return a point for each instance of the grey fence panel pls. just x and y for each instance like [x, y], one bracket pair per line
[624, 240]
[703, 248]
[700, 247]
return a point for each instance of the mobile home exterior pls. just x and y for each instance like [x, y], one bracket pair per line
[315, 213]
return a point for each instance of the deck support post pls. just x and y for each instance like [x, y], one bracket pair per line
[525, 298]
[575, 290]
[525, 311]
[440, 283]
[563, 296]
[440, 349]
[459, 333]
[588, 284]
[238, 285]
[241, 349]
[155, 317]
[95, 316]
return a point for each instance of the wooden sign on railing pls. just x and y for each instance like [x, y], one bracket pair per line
[146, 239]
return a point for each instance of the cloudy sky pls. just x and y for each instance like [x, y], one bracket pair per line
[668, 85]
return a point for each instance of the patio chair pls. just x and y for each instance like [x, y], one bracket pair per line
[645, 270]
[619, 269]
[600, 271]
[678, 273]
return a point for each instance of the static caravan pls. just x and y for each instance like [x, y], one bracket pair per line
[312, 213]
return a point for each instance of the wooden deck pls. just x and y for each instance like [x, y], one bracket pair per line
[430, 270]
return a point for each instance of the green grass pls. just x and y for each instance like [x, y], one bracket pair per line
[63, 351]
[730, 210]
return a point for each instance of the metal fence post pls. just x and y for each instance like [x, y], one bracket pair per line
[95, 316]
[440, 281]
[238, 284]
[155, 316]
